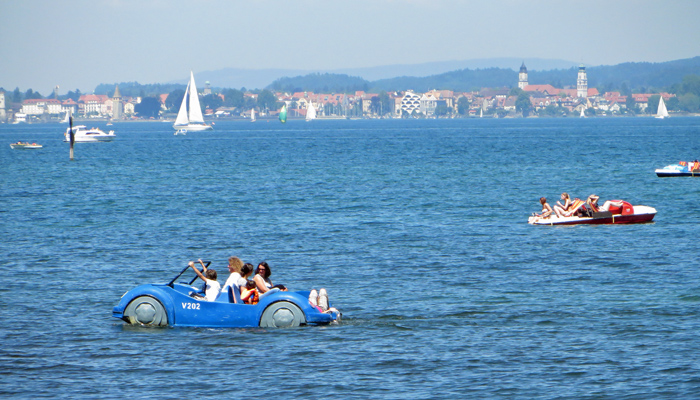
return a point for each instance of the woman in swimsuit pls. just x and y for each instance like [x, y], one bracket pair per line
[561, 209]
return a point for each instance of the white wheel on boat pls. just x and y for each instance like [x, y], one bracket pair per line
[282, 314]
[145, 310]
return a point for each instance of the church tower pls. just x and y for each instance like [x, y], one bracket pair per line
[522, 76]
[3, 114]
[117, 106]
[582, 82]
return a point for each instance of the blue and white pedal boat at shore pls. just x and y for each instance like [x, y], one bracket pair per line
[178, 304]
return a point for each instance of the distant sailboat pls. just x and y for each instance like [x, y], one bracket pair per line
[310, 112]
[65, 119]
[583, 113]
[481, 113]
[283, 114]
[661, 112]
[192, 119]
[252, 115]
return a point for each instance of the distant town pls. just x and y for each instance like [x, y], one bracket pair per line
[521, 100]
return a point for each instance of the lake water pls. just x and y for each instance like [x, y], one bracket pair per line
[417, 229]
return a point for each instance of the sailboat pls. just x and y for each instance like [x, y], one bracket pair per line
[661, 112]
[283, 114]
[310, 112]
[192, 120]
[65, 119]
[252, 115]
[481, 113]
[583, 113]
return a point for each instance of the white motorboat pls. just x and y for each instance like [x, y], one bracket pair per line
[190, 115]
[25, 145]
[83, 134]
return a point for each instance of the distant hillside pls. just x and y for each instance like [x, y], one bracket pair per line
[259, 78]
[463, 80]
[634, 76]
[320, 83]
[637, 77]
[135, 89]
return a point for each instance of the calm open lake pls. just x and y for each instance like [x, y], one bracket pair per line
[417, 229]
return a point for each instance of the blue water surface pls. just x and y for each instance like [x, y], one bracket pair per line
[417, 229]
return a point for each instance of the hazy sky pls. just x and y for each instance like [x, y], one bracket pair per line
[79, 44]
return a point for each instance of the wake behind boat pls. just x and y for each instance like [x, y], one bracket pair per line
[83, 134]
[683, 168]
[190, 116]
[588, 212]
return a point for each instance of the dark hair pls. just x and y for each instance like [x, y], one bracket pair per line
[249, 284]
[268, 271]
[246, 269]
[211, 274]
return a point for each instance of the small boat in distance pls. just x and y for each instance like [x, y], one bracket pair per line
[181, 132]
[190, 115]
[25, 145]
[583, 113]
[661, 111]
[82, 134]
[283, 114]
[252, 115]
[683, 168]
[310, 112]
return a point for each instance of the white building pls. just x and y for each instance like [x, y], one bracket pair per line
[410, 103]
[428, 102]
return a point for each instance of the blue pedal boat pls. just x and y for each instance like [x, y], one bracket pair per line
[181, 304]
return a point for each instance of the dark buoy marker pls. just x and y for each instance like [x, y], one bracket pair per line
[72, 136]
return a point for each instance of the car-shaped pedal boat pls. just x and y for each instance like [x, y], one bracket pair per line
[181, 304]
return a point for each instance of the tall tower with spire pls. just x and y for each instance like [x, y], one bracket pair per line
[582, 82]
[522, 76]
[117, 106]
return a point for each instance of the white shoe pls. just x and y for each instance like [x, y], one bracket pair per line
[323, 299]
[313, 298]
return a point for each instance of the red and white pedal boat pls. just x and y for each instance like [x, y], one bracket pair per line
[619, 212]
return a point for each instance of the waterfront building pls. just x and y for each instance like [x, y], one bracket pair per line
[428, 103]
[410, 103]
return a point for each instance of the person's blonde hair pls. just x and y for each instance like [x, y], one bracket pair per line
[235, 263]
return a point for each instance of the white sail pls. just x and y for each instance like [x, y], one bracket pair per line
[182, 118]
[661, 112]
[252, 115]
[195, 108]
[583, 113]
[310, 112]
[481, 113]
